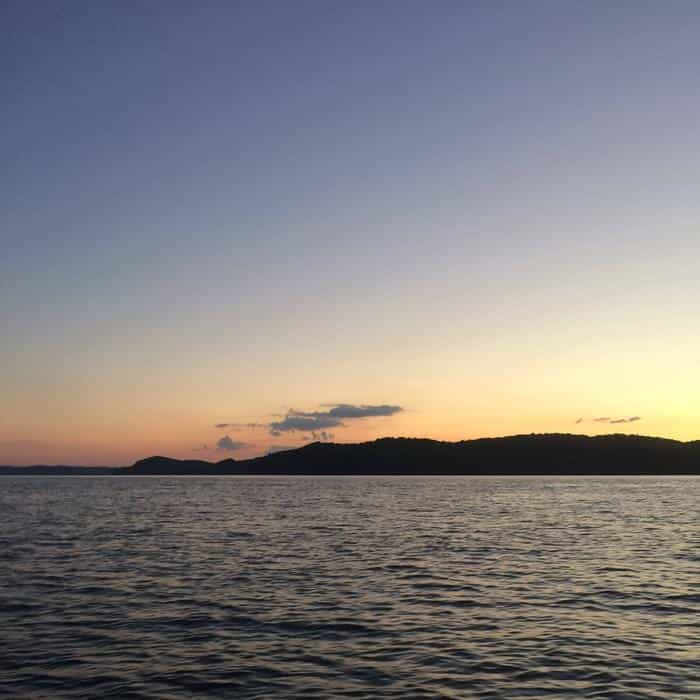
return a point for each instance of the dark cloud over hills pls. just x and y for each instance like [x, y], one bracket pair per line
[226, 443]
[315, 421]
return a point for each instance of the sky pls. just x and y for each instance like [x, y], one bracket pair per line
[340, 221]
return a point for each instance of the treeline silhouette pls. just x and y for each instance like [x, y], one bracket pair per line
[545, 454]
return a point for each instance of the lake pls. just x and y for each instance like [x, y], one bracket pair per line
[290, 587]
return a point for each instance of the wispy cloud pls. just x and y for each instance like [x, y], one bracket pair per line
[631, 419]
[296, 420]
[345, 410]
[612, 421]
[318, 421]
[315, 424]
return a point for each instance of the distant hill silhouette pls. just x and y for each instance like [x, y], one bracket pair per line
[168, 465]
[546, 454]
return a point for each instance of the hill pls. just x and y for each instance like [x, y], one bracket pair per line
[546, 454]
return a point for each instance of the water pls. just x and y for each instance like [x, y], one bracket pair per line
[349, 587]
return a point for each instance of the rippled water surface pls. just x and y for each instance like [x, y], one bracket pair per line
[349, 587]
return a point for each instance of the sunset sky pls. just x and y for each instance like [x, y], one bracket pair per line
[345, 220]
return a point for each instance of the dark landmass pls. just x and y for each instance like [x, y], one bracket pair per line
[61, 470]
[548, 454]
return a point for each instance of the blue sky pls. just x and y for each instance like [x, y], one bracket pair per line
[241, 208]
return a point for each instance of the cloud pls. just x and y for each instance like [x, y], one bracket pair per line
[296, 420]
[580, 420]
[225, 443]
[345, 410]
[319, 421]
[607, 419]
[314, 422]
[631, 419]
[200, 449]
